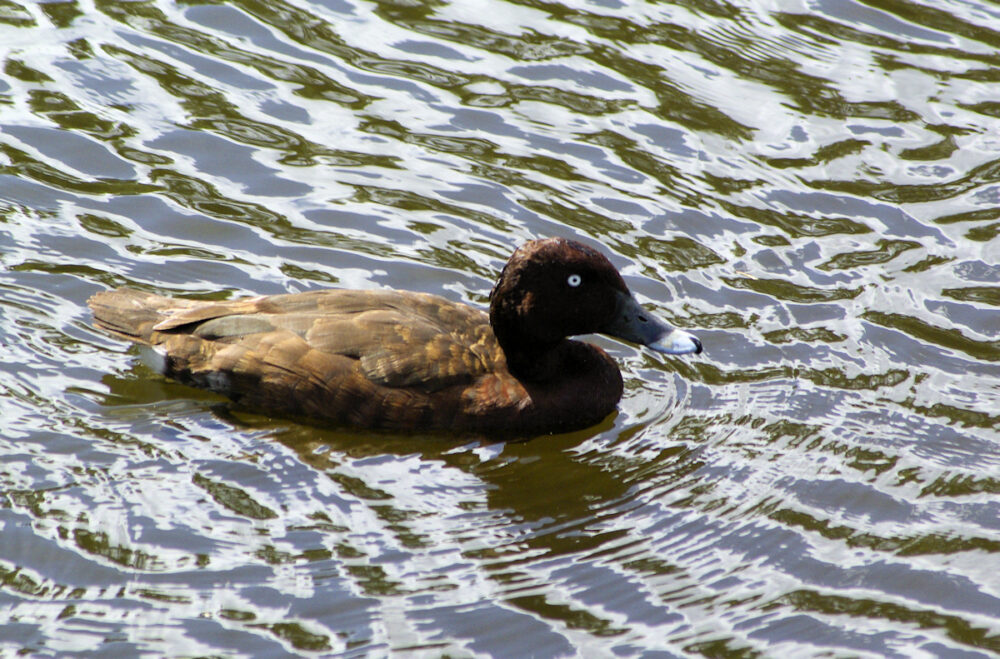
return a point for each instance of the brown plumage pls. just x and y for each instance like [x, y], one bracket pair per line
[398, 360]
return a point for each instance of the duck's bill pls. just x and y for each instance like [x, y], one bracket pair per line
[677, 342]
[633, 323]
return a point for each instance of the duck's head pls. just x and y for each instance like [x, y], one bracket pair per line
[554, 288]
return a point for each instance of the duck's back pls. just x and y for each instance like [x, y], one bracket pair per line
[374, 359]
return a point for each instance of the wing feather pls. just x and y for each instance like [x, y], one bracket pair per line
[402, 340]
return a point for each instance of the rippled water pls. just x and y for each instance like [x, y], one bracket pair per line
[811, 186]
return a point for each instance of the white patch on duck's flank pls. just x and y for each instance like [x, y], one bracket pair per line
[155, 357]
[217, 381]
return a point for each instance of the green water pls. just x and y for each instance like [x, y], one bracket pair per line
[812, 187]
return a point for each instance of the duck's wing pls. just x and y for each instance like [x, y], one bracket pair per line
[398, 339]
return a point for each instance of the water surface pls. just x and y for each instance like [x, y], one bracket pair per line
[812, 187]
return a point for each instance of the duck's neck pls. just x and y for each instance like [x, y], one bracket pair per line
[534, 350]
[538, 364]
[528, 358]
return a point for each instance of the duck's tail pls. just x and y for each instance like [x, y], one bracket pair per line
[129, 313]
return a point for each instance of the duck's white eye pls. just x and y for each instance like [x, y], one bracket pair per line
[574, 280]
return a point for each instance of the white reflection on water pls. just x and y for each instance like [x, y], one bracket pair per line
[810, 187]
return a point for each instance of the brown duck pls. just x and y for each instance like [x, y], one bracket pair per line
[403, 361]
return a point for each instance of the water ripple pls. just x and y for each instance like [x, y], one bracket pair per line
[811, 188]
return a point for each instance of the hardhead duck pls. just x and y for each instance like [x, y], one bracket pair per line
[405, 361]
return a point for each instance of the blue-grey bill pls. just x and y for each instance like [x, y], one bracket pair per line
[633, 323]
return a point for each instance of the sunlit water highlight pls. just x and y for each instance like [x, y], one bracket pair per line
[812, 187]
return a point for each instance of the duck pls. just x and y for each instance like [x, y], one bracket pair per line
[401, 361]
